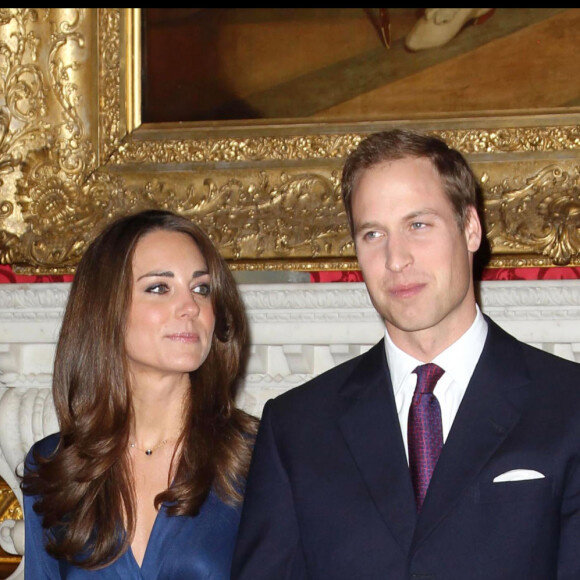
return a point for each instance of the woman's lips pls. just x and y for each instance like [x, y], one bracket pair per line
[187, 337]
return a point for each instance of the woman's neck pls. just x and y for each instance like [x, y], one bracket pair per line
[158, 412]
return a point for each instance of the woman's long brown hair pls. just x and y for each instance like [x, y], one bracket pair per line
[85, 488]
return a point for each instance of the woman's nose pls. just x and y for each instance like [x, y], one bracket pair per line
[188, 305]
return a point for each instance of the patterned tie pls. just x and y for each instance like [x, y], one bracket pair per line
[425, 432]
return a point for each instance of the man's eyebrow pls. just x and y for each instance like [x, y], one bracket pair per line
[373, 225]
[366, 226]
[421, 212]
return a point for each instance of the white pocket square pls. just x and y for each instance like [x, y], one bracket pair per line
[518, 475]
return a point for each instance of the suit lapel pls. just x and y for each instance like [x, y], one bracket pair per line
[490, 409]
[370, 426]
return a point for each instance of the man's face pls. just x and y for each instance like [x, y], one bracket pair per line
[415, 259]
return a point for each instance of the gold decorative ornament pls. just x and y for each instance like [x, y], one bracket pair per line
[540, 214]
[10, 509]
[74, 155]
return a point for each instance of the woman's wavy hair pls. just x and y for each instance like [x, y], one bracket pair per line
[85, 489]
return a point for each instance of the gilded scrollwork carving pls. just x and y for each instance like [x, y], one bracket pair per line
[109, 75]
[10, 509]
[44, 140]
[294, 215]
[22, 96]
[513, 139]
[9, 506]
[243, 149]
[62, 213]
[73, 156]
[540, 214]
[508, 140]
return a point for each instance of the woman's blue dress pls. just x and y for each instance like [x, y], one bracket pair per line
[179, 548]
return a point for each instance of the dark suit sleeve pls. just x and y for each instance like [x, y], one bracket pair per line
[268, 545]
[569, 555]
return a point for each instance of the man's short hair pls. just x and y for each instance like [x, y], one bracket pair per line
[459, 182]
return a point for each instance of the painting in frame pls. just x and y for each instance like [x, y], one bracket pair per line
[75, 152]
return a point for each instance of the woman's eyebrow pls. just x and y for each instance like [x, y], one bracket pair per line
[169, 274]
[153, 274]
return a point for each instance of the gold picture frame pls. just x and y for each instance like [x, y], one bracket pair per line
[74, 155]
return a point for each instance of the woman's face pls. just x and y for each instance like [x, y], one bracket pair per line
[171, 319]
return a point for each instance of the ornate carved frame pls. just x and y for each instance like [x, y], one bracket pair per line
[74, 154]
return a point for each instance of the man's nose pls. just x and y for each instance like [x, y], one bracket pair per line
[398, 253]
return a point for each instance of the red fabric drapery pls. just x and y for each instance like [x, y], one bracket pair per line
[570, 273]
[7, 276]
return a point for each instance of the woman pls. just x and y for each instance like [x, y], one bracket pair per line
[144, 478]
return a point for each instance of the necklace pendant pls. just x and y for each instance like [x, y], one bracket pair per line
[149, 451]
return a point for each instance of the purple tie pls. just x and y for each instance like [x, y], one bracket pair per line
[425, 432]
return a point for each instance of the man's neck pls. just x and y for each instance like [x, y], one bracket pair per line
[426, 344]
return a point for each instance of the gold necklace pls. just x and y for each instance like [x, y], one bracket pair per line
[149, 451]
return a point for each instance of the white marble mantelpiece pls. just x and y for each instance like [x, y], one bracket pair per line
[298, 331]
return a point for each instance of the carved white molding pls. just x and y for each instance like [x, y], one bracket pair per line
[12, 537]
[297, 331]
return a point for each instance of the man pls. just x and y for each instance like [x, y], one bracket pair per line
[386, 467]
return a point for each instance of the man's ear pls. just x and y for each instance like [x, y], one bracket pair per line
[473, 230]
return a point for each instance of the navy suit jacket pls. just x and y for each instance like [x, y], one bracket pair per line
[329, 494]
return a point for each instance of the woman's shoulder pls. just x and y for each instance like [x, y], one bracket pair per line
[43, 448]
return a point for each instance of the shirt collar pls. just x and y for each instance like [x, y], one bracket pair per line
[459, 359]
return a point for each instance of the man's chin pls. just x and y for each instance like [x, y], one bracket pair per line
[407, 325]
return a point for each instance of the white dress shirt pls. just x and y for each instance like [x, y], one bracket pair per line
[458, 361]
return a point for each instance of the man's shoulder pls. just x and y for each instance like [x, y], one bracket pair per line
[328, 384]
[546, 366]
[550, 364]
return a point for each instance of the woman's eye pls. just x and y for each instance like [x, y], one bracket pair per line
[202, 289]
[157, 289]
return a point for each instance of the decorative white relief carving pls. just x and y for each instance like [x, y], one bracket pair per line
[26, 415]
[298, 331]
[12, 536]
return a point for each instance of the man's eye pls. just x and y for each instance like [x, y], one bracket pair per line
[371, 235]
[157, 289]
[418, 225]
[202, 289]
